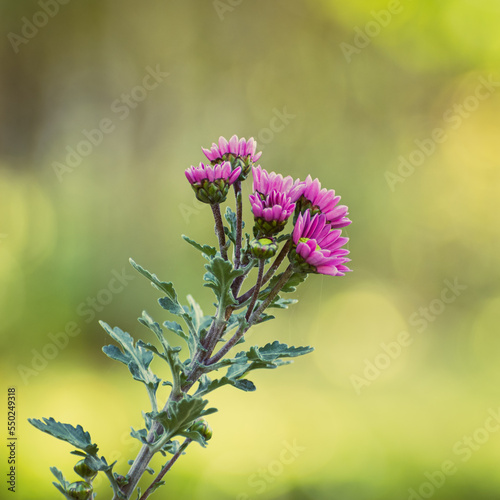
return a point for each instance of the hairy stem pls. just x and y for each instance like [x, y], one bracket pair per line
[219, 229]
[253, 318]
[165, 469]
[257, 287]
[272, 294]
[239, 224]
[270, 272]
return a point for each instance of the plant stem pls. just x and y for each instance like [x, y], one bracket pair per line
[253, 318]
[272, 294]
[239, 224]
[270, 272]
[219, 229]
[257, 287]
[165, 469]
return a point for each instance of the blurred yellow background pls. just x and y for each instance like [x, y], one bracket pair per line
[392, 103]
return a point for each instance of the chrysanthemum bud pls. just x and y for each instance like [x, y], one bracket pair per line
[263, 248]
[211, 182]
[80, 490]
[203, 428]
[83, 470]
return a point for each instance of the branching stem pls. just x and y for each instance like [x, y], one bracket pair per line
[165, 469]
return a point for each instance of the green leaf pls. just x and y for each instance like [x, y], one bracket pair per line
[75, 436]
[267, 357]
[135, 357]
[207, 250]
[195, 313]
[219, 278]
[278, 350]
[231, 219]
[99, 464]
[290, 286]
[164, 286]
[281, 303]
[176, 328]
[206, 385]
[180, 414]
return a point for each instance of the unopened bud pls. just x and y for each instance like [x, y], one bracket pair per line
[263, 248]
[203, 428]
[83, 470]
[80, 490]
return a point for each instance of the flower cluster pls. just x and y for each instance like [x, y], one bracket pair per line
[315, 241]
[239, 152]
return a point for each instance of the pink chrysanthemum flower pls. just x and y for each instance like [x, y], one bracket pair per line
[265, 183]
[211, 182]
[271, 212]
[239, 152]
[317, 247]
[323, 201]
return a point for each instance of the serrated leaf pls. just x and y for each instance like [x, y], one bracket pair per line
[219, 277]
[172, 306]
[267, 357]
[175, 328]
[164, 286]
[140, 434]
[180, 414]
[135, 357]
[280, 303]
[204, 249]
[290, 286]
[60, 477]
[195, 436]
[195, 312]
[75, 436]
[99, 464]
[207, 385]
[278, 350]
[231, 219]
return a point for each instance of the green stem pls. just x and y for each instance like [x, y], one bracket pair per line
[257, 287]
[219, 229]
[252, 319]
[165, 469]
[272, 294]
[239, 224]
[270, 272]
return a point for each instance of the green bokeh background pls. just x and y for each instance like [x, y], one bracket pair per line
[233, 67]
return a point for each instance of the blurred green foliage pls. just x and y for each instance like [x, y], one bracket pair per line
[278, 71]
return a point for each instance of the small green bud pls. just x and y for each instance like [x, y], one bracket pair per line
[203, 428]
[83, 470]
[263, 248]
[80, 490]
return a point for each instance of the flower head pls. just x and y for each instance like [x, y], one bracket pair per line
[271, 212]
[240, 152]
[323, 201]
[263, 248]
[211, 182]
[264, 183]
[317, 247]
